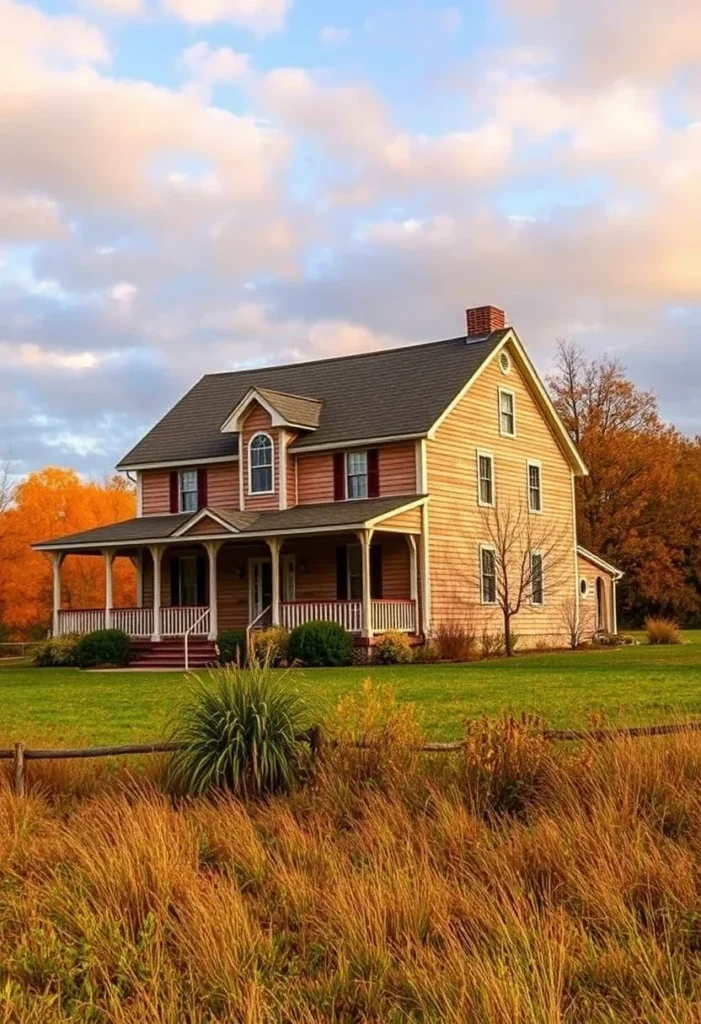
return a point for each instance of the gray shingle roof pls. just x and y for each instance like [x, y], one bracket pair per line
[305, 412]
[335, 515]
[389, 393]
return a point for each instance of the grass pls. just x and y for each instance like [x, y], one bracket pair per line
[635, 684]
[521, 883]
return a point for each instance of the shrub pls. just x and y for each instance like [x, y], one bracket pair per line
[505, 760]
[393, 648]
[494, 644]
[239, 732]
[662, 631]
[57, 651]
[426, 654]
[456, 641]
[272, 645]
[103, 647]
[232, 646]
[321, 644]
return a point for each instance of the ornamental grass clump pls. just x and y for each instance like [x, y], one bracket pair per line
[240, 732]
[662, 631]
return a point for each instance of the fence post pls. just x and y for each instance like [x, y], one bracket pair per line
[19, 769]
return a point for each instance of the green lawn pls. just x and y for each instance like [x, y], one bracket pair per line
[635, 684]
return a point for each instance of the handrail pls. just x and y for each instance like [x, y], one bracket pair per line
[194, 625]
[249, 627]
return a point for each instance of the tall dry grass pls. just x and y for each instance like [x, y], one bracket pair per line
[522, 882]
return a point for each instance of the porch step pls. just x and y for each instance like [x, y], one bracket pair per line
[170, 653]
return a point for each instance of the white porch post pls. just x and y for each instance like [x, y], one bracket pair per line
[57, 560]
[614, 612]
[212, 547]
[365, 537]
[275, 543]
[157, 554]
[413, 577]
[108, 555]
[425, 564]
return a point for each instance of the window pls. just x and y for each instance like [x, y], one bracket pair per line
[485, 479]
[357, 474]
[488, 575]
[355, 573]
[261, 464]
[584, 588]
[507, 412]
[537, 596]
[187, 489]
[535, 497]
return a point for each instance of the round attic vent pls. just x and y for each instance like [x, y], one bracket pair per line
[505, 362]
[583, 587]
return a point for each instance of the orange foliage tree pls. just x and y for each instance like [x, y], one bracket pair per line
[52, 503]
[639, 507]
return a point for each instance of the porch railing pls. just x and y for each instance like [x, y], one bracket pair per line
[136, 622]
[348, 614]
[395, 615]
[399, 615]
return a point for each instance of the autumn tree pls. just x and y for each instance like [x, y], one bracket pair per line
[52, 503]
[634, 508]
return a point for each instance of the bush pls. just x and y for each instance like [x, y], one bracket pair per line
[232, 645]
[456, 641]
[662, 631]
[240, 733]
[103, 647]
[272, 645]
[426, 654]
[321, 645]
[393, 648]
[57, 651]
[494, 644]
[505, 762]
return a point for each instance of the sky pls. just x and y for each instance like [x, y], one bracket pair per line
[200, 185]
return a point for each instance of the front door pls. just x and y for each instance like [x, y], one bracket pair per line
[261, 587]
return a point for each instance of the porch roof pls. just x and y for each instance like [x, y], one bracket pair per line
[230, 524]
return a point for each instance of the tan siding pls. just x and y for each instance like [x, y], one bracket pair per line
[257, 420]
[395, 566]
[155, 492]
[456, 523]
[410, 521]
[587, 605]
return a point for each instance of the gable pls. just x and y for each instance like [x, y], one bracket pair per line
[203, 528]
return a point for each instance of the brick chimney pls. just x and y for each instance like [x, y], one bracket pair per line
[484, 319]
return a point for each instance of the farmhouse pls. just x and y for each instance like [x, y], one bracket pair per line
[383, 491]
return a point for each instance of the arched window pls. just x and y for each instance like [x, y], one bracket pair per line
[260, 464]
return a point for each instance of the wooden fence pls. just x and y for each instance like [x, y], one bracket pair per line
[20, 754]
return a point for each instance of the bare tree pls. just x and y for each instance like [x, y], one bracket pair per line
[572, 623]
[522, 560]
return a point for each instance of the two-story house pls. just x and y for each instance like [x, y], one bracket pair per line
[353, 489]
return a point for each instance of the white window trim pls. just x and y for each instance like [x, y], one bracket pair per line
[251, 492]
[355, 451]
[507, 391]
[537, 604]
[481, 454]
[181, 474]
[488, 604]
[539, 465]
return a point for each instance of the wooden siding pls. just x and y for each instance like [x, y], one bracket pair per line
[406, 521]
[204, 528]
[456, 524]
[257, 420]
[397, 473]
[222, 488]
[395, 566]
[397, 469]
[315, 478]
[587, 605]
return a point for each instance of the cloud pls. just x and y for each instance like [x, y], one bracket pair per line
[29, 218]
[126, 8]
[333, 35]
[260, 16]
[209, 65]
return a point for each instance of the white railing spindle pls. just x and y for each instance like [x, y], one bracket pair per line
[399, 615]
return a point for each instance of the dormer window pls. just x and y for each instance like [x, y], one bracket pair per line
[187, 489]
[260, 461]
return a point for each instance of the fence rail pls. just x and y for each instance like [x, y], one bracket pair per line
[19, 754]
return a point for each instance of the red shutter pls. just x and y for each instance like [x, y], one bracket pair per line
[174, 491]
[339, 477]
[373, 473]
[201, 488]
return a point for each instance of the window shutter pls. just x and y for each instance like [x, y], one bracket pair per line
[376, 572]
[342, 573]
[174, 567]
[202, 595]
[373, 473]
[339, 477]
[174, 491]
[201, 487]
